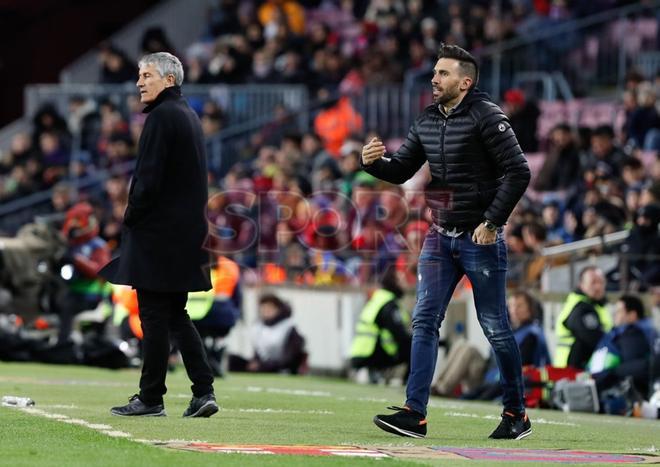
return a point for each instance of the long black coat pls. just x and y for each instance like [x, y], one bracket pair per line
[165, 225]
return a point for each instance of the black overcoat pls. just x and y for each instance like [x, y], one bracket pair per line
[165, 224]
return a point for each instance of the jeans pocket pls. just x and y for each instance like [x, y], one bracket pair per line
[499, 238]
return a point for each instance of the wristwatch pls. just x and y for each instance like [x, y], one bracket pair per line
[490, 226]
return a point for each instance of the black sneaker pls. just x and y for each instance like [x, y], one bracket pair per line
[405, 422]
[512, 427]
[204, 406]
[137, 408]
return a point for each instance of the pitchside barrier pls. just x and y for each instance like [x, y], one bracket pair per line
[326, 318]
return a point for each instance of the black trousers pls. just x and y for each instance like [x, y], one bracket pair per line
[163, 315]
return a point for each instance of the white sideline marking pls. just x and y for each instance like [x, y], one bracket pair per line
[60, 406]
[540, 421]
[116, 434]
[268, 410]
[101, 428]
[650, 449]
[76, 421]
[294, 392]
[372, 399]
[105, 429]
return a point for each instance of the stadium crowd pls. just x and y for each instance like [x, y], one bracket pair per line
[342, 225]
[296, 206]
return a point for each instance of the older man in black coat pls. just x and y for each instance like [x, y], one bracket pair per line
[162, 254]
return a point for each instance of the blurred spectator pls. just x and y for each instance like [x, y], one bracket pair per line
[155, 40]
[644, 125]
[625, 351]
[582, 321]
[641, 250]
[278, 347]
[336, 121]
[215, 312]
[213, 119]
[555, 231]
[350, 168]
[561, 166]
[382, 338]
[48, 119]
[116, 189]
[87, 254]
[632, 173]
[479, 377]
[83, 120]
[523, 115]
[223, 18]
[119, 151]
[290, 12]
[604, 156]
[534, 236]
[116, 67]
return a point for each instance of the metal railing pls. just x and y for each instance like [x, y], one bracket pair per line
[241, 103]
[587, 51]
[578, 251]
[15, 213]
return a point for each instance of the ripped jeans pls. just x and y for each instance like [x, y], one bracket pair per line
[442, 263]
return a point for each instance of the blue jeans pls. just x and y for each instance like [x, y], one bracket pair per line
[442, 263]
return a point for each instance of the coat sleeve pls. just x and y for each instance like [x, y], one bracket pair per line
[502, 145]
[403, 164]
[147, 180]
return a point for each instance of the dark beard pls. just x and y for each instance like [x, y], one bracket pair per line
[445, 97]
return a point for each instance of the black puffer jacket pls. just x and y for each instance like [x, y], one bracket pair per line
[478, 169]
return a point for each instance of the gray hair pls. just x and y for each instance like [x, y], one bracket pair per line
[166, 64]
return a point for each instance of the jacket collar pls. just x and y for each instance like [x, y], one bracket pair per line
[472, 95]
[600, 302]
[171, 93]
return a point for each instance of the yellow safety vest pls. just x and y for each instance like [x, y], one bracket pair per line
[367, 331]
[199, 303]
[565, 338]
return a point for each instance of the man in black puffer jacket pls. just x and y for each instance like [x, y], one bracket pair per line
[478, 175]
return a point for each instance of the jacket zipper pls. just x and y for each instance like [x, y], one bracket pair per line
[442, 151]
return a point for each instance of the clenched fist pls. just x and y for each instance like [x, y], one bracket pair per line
[372, 151]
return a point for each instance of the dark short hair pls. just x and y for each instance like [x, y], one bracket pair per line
[563, 127]
[534, 305]
[282, 306]
[632, 163]
[633, 304]
[603, 130]
[537, 230]
[466, 60]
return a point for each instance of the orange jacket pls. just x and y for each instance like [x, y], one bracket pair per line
[294, 12]
[336, 124]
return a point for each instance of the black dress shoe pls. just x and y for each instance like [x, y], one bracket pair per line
[204, 406]
[137, 408]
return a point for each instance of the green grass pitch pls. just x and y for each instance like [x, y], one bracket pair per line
[263, 409]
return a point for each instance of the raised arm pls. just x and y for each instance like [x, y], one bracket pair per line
[401, 166]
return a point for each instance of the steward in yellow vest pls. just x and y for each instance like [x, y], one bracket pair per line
[214, 312]
[382, 339]
[583, 320]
